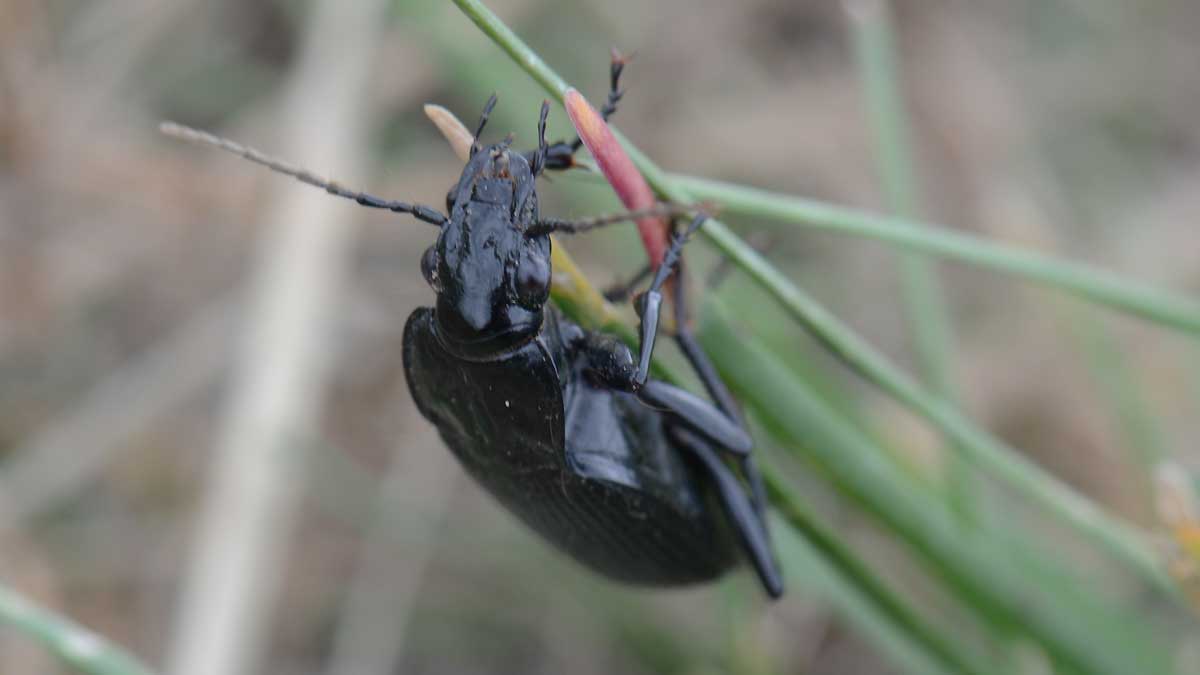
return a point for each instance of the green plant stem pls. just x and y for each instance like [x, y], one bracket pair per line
[1108, 364]
[1105, 288]
[1194, 363]
[990, 571]
[982, 449]
[1160, 306]
[875, 49]
[857, 578]
[1114, 377]
[929, 326]
[1093, 284]
[857, 592]
[74, 644]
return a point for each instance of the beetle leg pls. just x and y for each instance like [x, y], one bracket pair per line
[720, 423]
[651, 301]
[604, 358]
[697, 358]
[747, 520]
[698, 416]
[554, 225]
[613, 365]
[623, 290]
[715, 386]
[561, 155]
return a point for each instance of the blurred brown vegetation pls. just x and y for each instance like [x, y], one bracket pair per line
[1066, 126]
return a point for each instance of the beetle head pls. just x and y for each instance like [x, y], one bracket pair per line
[491, 278]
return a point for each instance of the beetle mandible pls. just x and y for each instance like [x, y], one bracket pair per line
[622, 472]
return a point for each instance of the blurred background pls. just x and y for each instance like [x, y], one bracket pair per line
[186, 338]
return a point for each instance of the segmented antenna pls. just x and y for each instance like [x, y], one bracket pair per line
[483, 119]
[539, 159]
[554, 225]
[185, 133]
[199, 137]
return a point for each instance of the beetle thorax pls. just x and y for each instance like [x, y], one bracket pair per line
[492, 279]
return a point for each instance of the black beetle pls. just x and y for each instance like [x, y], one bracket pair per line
[622, 472]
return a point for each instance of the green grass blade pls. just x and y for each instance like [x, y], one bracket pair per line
[1028, 597]
[979, 447]
[849, 585]
[929, 326]
[74, 644]
[1079, 628]
[860, 596]
[1160, 306]
[807, 571]
[875, 49]
[1109, 365]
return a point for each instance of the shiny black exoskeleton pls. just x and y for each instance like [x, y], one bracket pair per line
[562, 425]
[635, 478]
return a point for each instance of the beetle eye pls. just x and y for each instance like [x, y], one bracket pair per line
[533, 281]
[429, 268]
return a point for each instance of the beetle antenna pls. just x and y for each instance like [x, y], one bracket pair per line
[425, 213]
[539, 159]
[483, 119]
[670, 209]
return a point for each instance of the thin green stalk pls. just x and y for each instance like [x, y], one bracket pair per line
[1160, 306]
[986, 451]
[988, 570]
[1194, 363]
[929, 326]
[980, 447]
[1110, 366]
[849, 573]
[1075, 627]
[851, 586]
[979, 566]
[1142, 300]
[875, 49]
[1157, 305]
[74, 644]
[814, 576]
